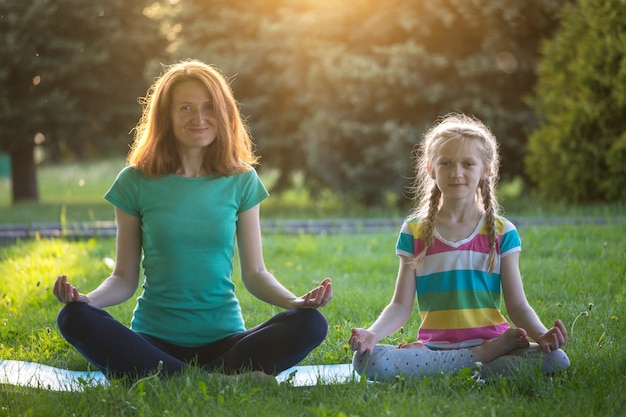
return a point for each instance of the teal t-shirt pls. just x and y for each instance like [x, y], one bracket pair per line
[188, 228]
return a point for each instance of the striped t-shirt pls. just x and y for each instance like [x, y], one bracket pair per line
[458, 300]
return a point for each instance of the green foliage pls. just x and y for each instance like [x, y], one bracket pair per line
[575, 273]
[71, 75]
[339, 91]
[342, 91]
[578, 153]
[72, 71]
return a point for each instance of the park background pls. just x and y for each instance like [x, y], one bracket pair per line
[336, 94]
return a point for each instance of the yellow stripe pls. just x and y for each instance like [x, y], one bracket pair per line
[461, 319]
[416, 228]
[499, 223]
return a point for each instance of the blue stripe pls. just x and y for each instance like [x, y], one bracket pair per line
[510, 240]
[405, 243]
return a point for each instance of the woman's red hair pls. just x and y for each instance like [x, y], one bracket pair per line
[154, 147]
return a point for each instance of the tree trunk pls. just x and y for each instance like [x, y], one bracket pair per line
[24, 173]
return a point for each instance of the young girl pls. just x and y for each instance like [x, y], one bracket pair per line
[188, 194]
[459, 257]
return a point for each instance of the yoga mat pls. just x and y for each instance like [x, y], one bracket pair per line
[309, 375]
[37, 375]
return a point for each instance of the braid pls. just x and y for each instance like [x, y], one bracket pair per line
[491, 209]
[428, 224]
[454, 127]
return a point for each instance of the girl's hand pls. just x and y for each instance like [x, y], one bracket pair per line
[66, 292]
[553, 339]
[317, 297]
[362, 340]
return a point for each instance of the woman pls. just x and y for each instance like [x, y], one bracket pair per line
[188, 191]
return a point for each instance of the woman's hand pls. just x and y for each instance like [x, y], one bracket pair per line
[317, 297]
[66, 292]
[362, 340]
[553, 339]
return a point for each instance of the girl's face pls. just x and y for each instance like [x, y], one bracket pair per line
[193, 122]
[458, 168]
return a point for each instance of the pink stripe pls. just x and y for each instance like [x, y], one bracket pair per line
[479, 244]
[459, 335]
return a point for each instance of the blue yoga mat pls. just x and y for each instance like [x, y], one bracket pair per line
[37, 375]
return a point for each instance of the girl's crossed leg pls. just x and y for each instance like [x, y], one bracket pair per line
[501, 356]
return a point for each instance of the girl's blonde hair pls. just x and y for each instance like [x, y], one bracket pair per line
[154, 147]
[455, 127]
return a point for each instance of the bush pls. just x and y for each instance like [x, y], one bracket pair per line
[578, 153]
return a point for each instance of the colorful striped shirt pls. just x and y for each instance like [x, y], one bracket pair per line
[459, 301]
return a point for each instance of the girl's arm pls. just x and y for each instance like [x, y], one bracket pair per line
[259, 281]
[520, 311]
[393, 316]
[123, 282]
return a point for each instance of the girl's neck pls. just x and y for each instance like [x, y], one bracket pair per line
[460, 213]
[457, 223]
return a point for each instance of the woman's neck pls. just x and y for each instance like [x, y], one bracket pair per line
[191, 173]
[191, 165]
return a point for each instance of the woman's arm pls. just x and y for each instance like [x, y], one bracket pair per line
[258, 280]
[123, 282]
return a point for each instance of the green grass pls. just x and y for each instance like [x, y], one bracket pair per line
[72, 193]
[575, 273]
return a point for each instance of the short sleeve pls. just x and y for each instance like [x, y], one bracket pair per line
[124, 193]
[253, 191]
[511, 241]
[405, 245]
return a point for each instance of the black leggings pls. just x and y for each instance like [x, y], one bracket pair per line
[271, 347]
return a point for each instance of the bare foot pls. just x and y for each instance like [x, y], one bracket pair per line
[510, 340]
[261, 376]
[412, 345]
[255, 376]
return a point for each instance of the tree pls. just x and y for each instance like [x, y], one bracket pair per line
[343, 90]
[387, 70]
[70, 75]
[578, 153]
[245, 40]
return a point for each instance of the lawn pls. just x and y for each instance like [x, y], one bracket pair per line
[575, 272]
[73, 192]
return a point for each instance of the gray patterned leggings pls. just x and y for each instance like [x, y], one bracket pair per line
[387, 361]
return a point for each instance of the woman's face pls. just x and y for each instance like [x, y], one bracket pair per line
[193, 121]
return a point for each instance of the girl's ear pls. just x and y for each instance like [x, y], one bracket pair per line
[430, 170]
[486, 173]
